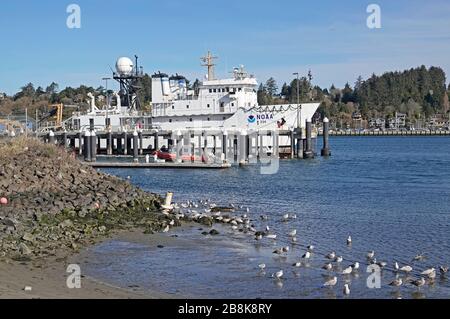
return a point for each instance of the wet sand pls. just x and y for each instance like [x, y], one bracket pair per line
[48, 280]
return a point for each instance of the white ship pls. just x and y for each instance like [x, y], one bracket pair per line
[219, 104]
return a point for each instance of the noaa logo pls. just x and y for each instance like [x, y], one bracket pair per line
[251, 119]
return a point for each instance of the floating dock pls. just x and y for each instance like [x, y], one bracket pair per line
[159, 165]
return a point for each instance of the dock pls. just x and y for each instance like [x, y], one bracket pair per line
[171, 165]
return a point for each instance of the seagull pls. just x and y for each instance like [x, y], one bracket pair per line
[285, 217]
[258, 236]
[419, 257]
[271, 236]
[307, 255]
[347, 271]
[331, 255]
[370, 254]
[397, 282]
[310, 247]
[349, 240]
[293, 233]
[396, 266]
[346, 290]
[327, 267]
[166, 229]
[339, 259]
[294, 239]
[278, 274]
[419, 282]
[428, 272]
[432, 275]
[297, 264]
[331, 283]
[382, 264]
[406, 269]
[278, 251]
[262, 266]
[267, 229]
[443, 270]
[355, 266]
[285, 249]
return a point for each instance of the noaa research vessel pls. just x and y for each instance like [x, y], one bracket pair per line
[224, 104]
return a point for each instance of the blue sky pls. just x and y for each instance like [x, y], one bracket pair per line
[271, 38]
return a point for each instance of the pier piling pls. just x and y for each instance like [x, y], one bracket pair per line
[125, 142]
[87, 146]
[51, 137]
[80, 143]
[93, 146]
[109, 143]
[326, 131]
[309, 152]
[135, 146]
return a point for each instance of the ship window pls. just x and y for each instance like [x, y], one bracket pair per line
[187, 106]
[215, 90]
[232, 104]
[234, 90]
[173, 107]
[208, 118]
[240, 89]
[207, 105]
[170, 120]
[224, 118]
[223, 90]
[210, 90]
[227, 89]
[190, 120]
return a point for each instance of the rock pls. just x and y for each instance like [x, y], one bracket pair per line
[102, 229]
[66, 224]
[28, 237]
[24, 250]
[214, 232]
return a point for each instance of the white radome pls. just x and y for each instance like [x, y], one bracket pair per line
[124, 66]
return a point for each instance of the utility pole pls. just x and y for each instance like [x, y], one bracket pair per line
[107, 95]
[298, 101]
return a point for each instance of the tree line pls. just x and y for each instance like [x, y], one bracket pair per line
[418, 93]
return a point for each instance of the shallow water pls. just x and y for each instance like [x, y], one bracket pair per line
[391, 194]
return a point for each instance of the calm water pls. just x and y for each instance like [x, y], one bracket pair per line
[392, 194]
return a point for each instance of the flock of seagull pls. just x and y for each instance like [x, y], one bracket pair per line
[205, 208]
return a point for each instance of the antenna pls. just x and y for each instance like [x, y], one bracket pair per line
[208, 61]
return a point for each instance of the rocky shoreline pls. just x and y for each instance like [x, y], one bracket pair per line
[56, 204]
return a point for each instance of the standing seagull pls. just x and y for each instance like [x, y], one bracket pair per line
[262, 266]
[278, 275]
[443, 270]
[346, 290]
[327, 267]
[428, 272]
[307, 255]
[293, 233]
[331, 255]
[348, 270]
[406, 269]
[331, 283]
[349, 240]
[419, 282]
[396, 266]
[355, 266]
[397, 282]
[370, 254]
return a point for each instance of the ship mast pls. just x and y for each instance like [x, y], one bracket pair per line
[208, 61]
